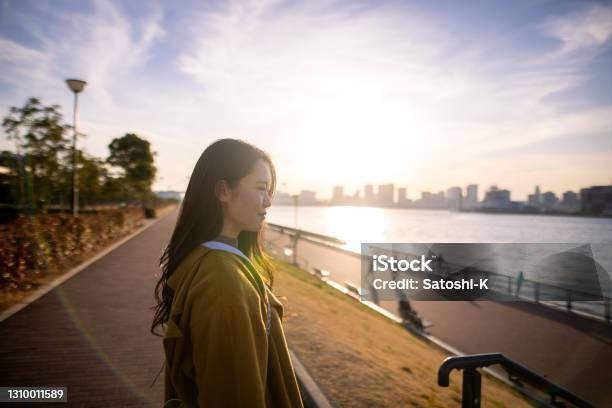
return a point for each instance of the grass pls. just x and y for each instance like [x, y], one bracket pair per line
[362, 359]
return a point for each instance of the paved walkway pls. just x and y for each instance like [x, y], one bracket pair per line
[91, 333]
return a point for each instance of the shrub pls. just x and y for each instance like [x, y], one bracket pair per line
[31, 246]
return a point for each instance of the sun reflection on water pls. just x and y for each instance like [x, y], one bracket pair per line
[356, 225]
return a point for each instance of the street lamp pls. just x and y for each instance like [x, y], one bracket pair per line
[296, 203]
[76, 86]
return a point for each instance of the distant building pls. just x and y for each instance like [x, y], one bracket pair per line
[282, 198]
[532, 201]
[570, 198]
[471, 196]
[401, 195]
[368, 194]
[549, 201]
[497, 199]
[570, 201]
[386, 194]
[596, 200]
[535, 199]
[431, 200]
[307, 197]
[454, 198]
[338, 195]
[176, 195]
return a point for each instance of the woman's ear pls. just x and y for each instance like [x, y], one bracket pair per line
[222, 191]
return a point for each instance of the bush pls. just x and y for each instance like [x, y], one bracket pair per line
[31, 246]
[149, 212]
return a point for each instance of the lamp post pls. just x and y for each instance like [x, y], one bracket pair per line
[296, 203]
[76, 86]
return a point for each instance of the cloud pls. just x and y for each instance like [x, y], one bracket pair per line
[259, 55]
[102, 47]
[566, 145]
[323, 85]
[14, 57]
[330, 64]
[583, 31]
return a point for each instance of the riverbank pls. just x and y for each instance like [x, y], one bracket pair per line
[361, 359]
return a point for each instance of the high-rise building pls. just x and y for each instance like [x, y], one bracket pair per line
[471, 197]
[570, 198]
[454, 197]
[386, 194]
[596, 200]
[432, 200]
[496, 198]
[535, 199]
[282, 198]
[338, 194]
[308, 197]
[368, 194]
[401, 195]
[570, 201]
[549, 200]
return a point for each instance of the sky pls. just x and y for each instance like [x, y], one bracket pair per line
[425, 95]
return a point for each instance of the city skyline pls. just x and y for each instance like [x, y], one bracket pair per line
[337, 92]
[417, 193]
[339, 192]
[592, 200]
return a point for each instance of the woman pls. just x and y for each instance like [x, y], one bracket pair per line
[224, 342]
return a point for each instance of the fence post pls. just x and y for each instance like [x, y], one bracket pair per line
[471, 388]
[607, 310]
[537, 292]
[569, 300]
[296, 238]
[510, 285]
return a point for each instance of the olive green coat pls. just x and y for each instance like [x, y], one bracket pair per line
[216, 347]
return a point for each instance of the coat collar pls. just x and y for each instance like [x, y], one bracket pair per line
[224, 247]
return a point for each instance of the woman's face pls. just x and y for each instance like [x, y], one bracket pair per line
[245, 205]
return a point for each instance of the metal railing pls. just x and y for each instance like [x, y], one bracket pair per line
[306, 234]
[518, 373]
[295, 236]
[573, 300]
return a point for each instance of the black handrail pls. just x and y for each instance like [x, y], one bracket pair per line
[516, 372]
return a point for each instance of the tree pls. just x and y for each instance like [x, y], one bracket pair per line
[40, 171]
[37, 130]
[9, 185]
[92, 177]
[134, 157]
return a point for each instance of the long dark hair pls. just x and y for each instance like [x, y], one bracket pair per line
[201, 216]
